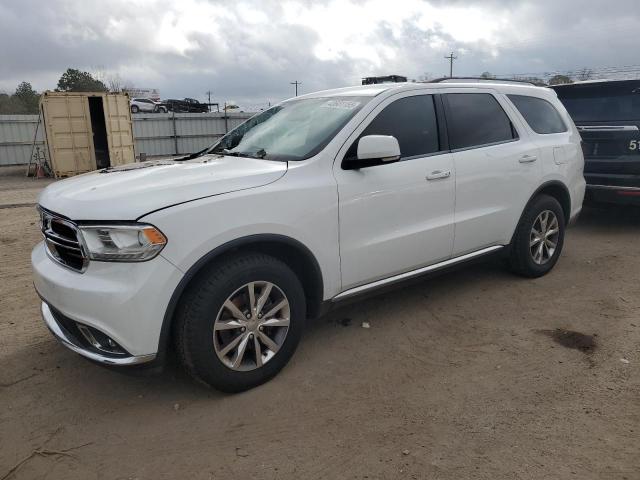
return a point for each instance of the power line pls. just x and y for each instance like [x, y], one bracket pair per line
[621, 73]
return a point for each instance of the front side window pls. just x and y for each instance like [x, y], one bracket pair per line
[541, 116]
[477, 119]
[412, 121]
[293, 130]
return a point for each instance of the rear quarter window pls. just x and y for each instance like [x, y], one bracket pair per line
[541, 116]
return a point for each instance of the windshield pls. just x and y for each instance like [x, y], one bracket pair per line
[294, 130]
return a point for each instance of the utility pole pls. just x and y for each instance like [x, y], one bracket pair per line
[296, 83]
[451, 58]
[209, 97]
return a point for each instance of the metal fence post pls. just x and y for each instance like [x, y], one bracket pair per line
[175, 133]
[226, 121]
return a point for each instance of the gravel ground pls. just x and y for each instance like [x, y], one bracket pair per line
[474, 374]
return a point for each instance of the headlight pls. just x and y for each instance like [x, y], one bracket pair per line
[122, 243]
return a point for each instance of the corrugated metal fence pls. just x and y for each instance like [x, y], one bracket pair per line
[154, 134]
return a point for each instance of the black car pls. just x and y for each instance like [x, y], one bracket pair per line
[607, 114]
[187, 105]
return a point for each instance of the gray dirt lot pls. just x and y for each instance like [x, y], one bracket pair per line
[458, 377]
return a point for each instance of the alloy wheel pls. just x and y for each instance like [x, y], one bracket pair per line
[251, 326]
[544, 236]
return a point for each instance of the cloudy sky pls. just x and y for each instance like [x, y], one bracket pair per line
[250, 50]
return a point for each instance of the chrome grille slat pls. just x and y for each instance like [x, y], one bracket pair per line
[66, 250]
[61, 245]
[50, 234]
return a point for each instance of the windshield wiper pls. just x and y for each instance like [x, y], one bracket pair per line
[224, 151]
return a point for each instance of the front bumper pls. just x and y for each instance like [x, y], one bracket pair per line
[72, 342]
[124, 301]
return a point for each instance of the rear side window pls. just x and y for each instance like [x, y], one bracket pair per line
[412, 120]
[477, 119]
[541, 116]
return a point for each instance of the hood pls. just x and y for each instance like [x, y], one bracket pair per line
[129, 191]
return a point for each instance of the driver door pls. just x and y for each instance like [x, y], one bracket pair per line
[397, 217]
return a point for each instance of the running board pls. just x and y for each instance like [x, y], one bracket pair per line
[414, 273]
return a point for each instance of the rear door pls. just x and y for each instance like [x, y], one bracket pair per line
[607, 114]
[496, 166]
[119, 129]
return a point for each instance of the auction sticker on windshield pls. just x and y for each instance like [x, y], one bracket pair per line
[341, 104]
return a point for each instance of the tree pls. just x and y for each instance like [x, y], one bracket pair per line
[560, 80]
[487, 75]
[29, 98]
[76, 81]
[23, 102]
[585, 74]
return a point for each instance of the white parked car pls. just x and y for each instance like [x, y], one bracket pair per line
[146, 105]
[318, 199]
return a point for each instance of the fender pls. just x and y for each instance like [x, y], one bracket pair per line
[259, 239]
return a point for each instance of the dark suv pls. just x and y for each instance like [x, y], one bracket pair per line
[607, 114]
[188, 105]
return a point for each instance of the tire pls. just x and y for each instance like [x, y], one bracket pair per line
[134, 109]
[524, 256]
[204, 324]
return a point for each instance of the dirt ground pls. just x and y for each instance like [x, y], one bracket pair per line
[470, 375]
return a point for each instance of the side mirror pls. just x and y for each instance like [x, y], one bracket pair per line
[383, 148]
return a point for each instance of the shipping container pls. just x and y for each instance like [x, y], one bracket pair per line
[85, 131]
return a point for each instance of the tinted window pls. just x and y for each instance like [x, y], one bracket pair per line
[612, 101]
[412, 120]
[476, 119]
[541, 116]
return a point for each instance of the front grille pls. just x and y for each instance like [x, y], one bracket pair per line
[62, 240]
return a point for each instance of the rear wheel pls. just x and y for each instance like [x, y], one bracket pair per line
[134, 109]
[240, 322]
[539, 238]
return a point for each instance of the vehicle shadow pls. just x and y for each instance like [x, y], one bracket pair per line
[609, 217]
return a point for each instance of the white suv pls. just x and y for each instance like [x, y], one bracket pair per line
[226, 254]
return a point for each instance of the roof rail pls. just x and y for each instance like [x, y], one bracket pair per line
[481, 79]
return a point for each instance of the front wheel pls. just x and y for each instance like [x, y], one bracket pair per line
[539, 238]
[240, 322]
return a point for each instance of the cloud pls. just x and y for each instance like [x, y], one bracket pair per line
[250, 50]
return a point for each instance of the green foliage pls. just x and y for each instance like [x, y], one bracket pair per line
[560, 80]
[76, 81]
[23, 101]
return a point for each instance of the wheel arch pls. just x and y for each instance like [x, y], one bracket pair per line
[555, 189]
[559, 191]
[292, 252]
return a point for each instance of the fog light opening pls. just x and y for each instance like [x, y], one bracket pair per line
[100, 341]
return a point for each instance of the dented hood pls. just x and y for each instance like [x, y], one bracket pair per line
[131, 191]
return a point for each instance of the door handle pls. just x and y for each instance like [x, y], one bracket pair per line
[439, 174]
[528, 159]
